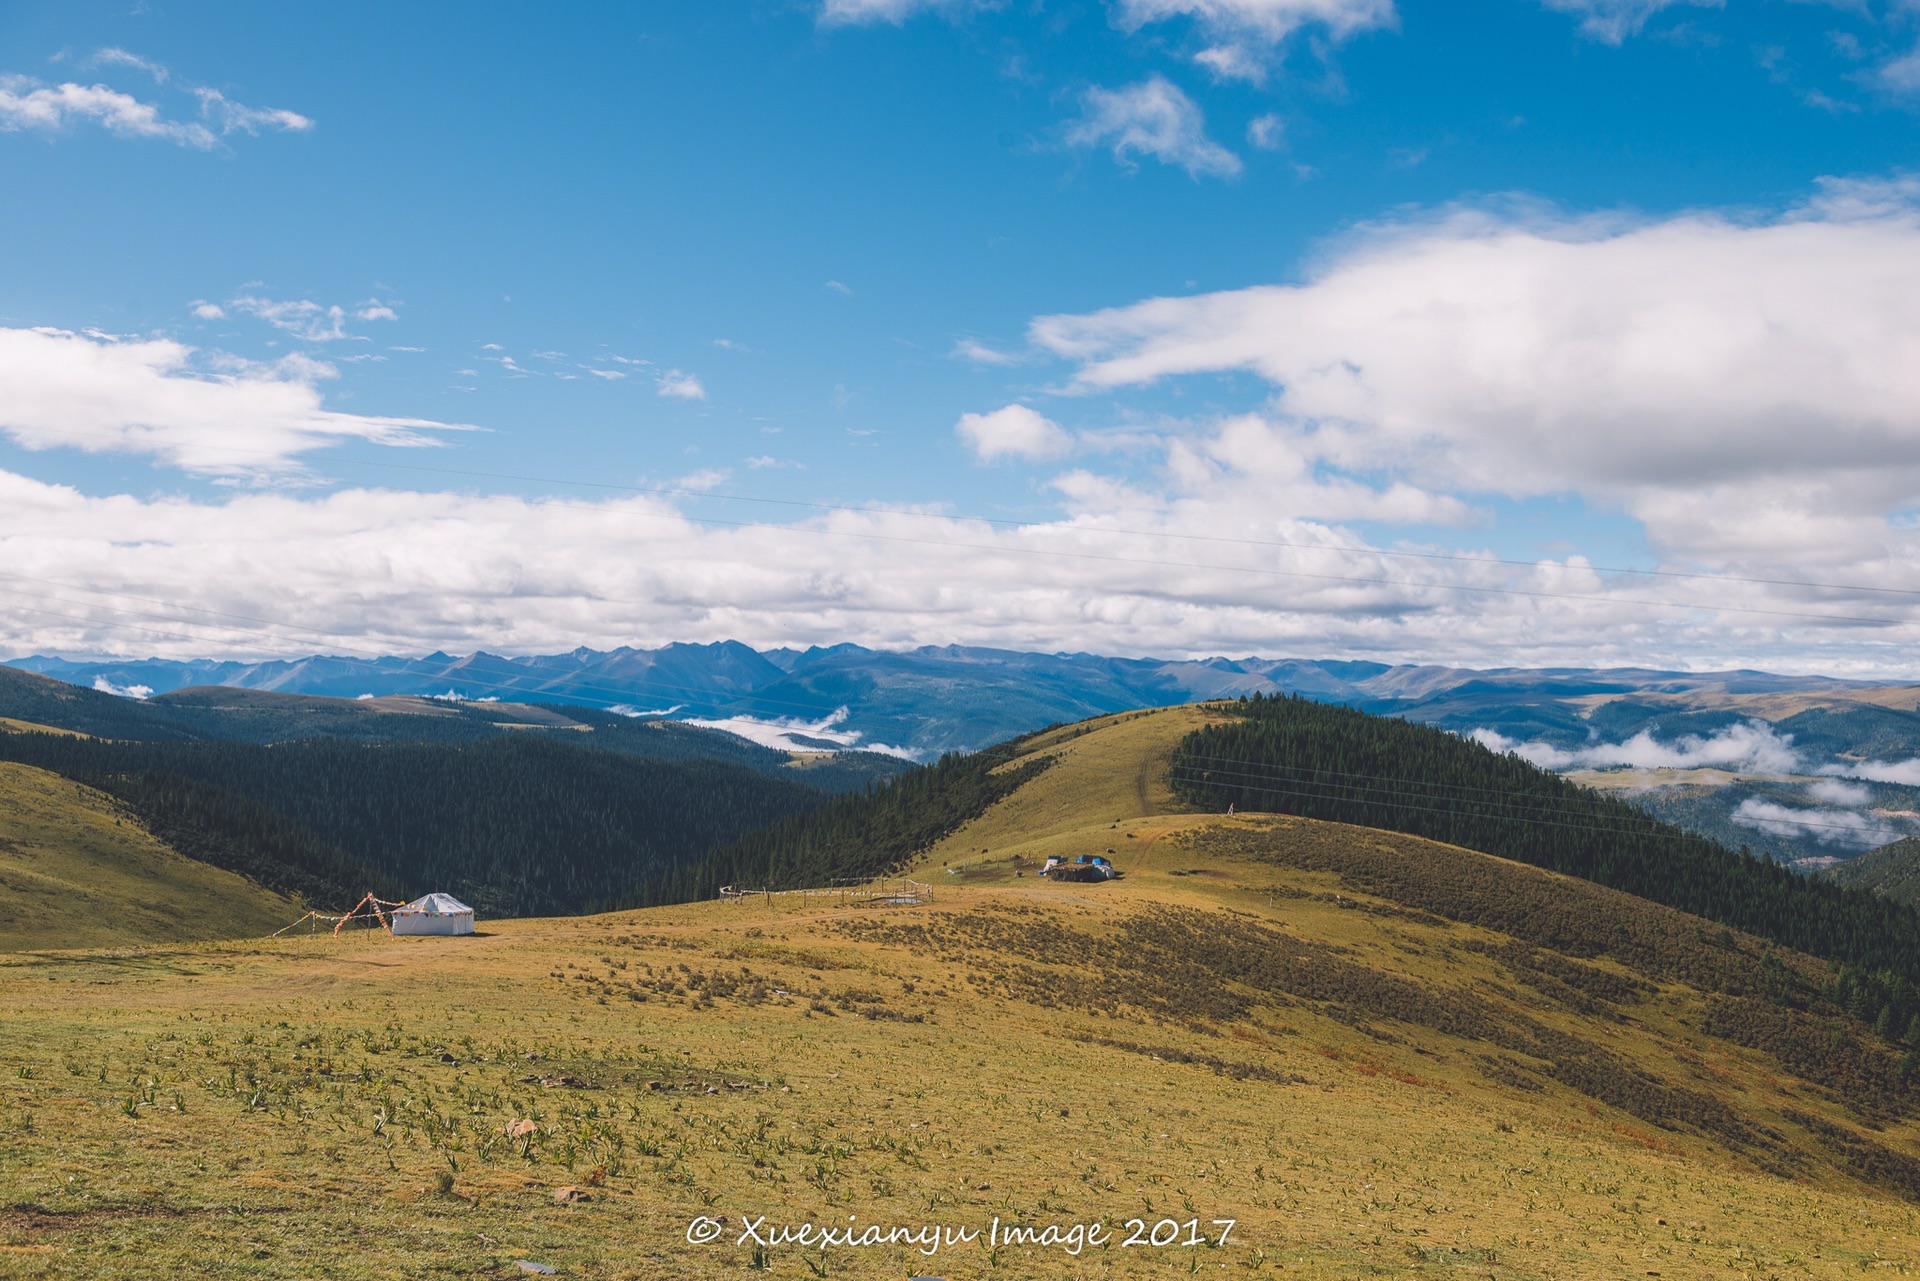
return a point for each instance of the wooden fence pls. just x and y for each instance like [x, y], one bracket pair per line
[844, 892]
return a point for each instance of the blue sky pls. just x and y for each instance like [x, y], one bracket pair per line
[328, 328]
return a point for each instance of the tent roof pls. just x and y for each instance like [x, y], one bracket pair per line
[443, 904]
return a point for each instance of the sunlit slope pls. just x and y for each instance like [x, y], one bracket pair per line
[75, 871]
[1106, 771]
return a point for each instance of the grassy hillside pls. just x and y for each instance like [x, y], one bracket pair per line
[1319, 761]
[42, 700]
[77, 870]
[1892, 870]
[1378, 1055]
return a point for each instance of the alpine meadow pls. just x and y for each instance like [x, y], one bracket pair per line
[958, 640]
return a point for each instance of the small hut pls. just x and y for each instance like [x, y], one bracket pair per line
[433, 914]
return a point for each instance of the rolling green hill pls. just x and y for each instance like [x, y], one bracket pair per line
[77, 869]
[1892, 870]
[1291, 756]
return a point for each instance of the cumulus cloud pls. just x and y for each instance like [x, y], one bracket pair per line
[1012, 432]
[219, 416]
[1125, 571]
[105, 686]
[1614, 20]
[1153, 118]
[681, 386]
[27, 103]
[1747, 388]
[1828, 826]
[1750, 747]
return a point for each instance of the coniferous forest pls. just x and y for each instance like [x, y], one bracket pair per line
[1290, 755]
[854, 836]
[516, 826]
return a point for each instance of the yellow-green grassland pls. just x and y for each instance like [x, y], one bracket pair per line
[1375, 1055]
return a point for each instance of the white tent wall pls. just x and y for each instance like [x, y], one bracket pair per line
[433, 914]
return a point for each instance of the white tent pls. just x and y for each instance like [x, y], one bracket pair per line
[433, 914]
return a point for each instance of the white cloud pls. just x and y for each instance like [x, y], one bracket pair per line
[981, 354]
[234, 117]
[390, 571]
[102, 685]
[302, 318]
[1901, 75]
[116, 57]
[209, 311]
[1833, 792]
[1242, 33]
[1012, 432]
[780, 733]
[1828, 826]
[373, 309]
[226, 417]
[860, 12]
[1265, 131]
[611, 375]
[1153, 118]
[1750, 747]
[26, 103]
[1748, 389]
[683, 386]
[845, 291]
[1905, 773]
[1614, 20]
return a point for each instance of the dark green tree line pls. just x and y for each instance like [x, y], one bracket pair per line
[1290, 755]
[869, 834]
[514, 825]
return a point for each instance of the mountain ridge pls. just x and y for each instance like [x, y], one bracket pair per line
[913, 697]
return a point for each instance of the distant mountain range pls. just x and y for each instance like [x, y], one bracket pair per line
[929, 700]
[1806, 769]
